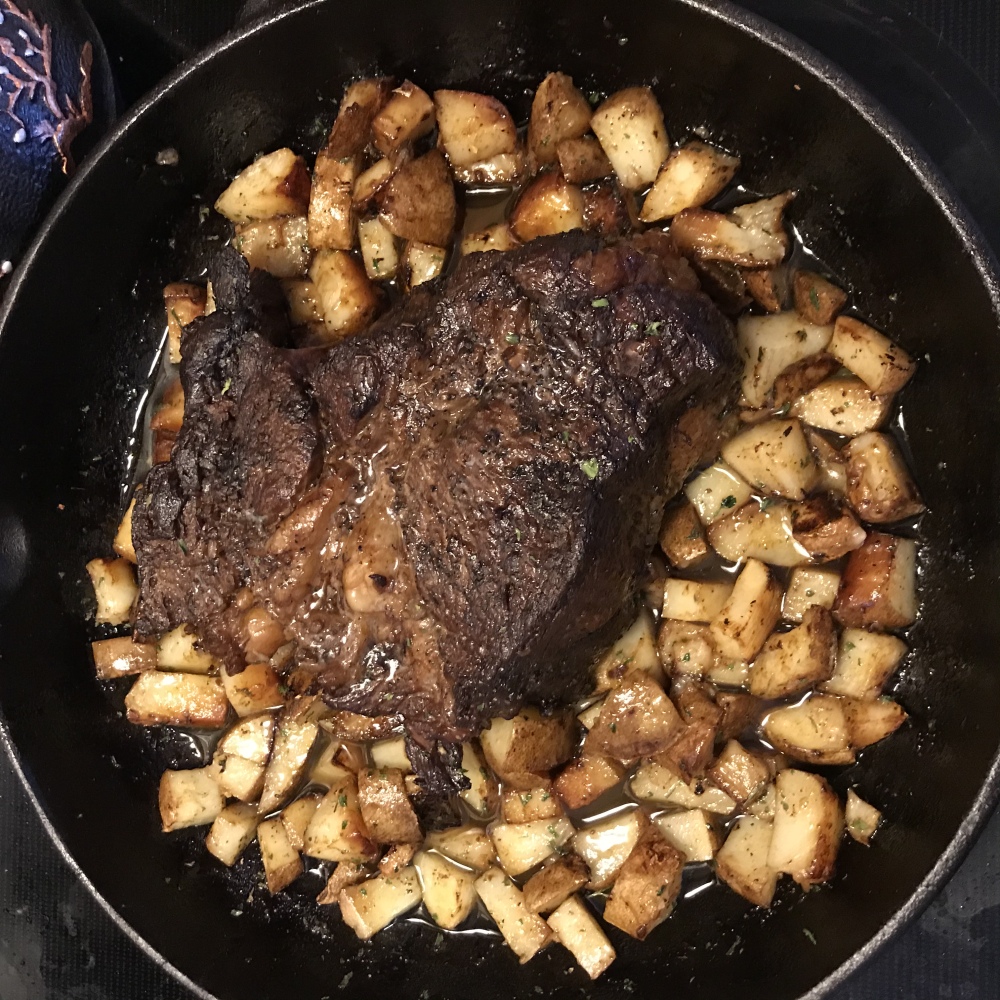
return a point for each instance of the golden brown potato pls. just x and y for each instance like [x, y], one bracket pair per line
[586, 778]
[808, 825]
[686, 648]
[522, 749]
[558, 112]
[816, 299]
[468, 845]
[583, 160]
[115, 589]
[865, 661]
[742, 860]
[808, 586]
[775, 457]
[184, 302]
[635, 651]
[693, 175]
[169, 416]
[879, 584]
[240, 778]
[608, 210]
[346, 299]
[604, 846]
[294, 738]
[717, 491]
[748, 617]
[344, 874]
[739, 773]
[121, 657]
[792, 662]
[337, 831]
[882, 365]
[274, 184]
[521, 846]
[629, 125]
[181, 649]
[548, 205]
[577, 930]
[815, 731]
[869, 721]
[554, 883]
[842, 405]
[825, 528]
[175, 699]
[637, 720]
[860, 818]
[483, 794]
[527, 806]
[759, 531]
[662, 785]
[369, 906]
[692, 750]
[385, 806]
[694, 600]
[682, 537]
[348, 727]
[407, 115]
[739, 710]
[378, 250]
[879, 486]
[693, 832]
[472, 127]
[400, 856]
[418, 202]
[278, 246]
[504, 168]
[232, 832]
[832, 471]
[768, 287]
[498, 237]
[255, 689]
[331, 218]
[802, 378]
[189, 798]
[369, 182]
[449, 891]
[296, 816]
[423, 262]
[525, 932]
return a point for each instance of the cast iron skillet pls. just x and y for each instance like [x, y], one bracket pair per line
[80, 335]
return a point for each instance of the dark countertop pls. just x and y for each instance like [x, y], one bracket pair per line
[56, 942]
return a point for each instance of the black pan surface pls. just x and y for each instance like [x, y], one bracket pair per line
[79, 341]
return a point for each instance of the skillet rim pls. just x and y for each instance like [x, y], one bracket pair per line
[983, 257]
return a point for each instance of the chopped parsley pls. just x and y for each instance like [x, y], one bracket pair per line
[226, 386]
[377, 263]
[729, 501]
[653, 329]
[686, 657]
[848, 646]
[342, 800]
[613, 727]
[182, 546]
[814, 297]
[590, 467]
[512, 338]
[809, 934]
[766, 502]
[601, 303]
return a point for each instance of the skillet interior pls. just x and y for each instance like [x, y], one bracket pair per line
[77, 347]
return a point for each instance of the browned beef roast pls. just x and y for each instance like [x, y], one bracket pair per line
[448, 515]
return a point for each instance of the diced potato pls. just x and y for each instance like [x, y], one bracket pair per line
[879, 585]
[473, 127]
[717, 492]
[882, 365]
[803, 377]
[529, 745]
[686, 648]
[860, 818]
[694, 600]
[582, 160]
[865, 661]
[775, 457]
[369, 94]
[763, 807]
[373, 904]
[604, 846]
[123, 536]
[337, 831]
[180, 649]
[725, 672]
[815, 731]
[742, 237]
[666, 786]
[369, 182]
[418, 201]
[527, 806]
[331, 221]
[189, 798]
[871, 721]
[636, 720]
[577, 930]
[692, 832]
[879, 486]
[115, 589]
[344, 295]
[764, 216]
[168, 699]
[391, 753]
[423, 262]
[521, 846]
[504, 168]
[759, 531]
[692, 751]
[350, 756]
[297, 816]
[682, 537]
[808, 825]
[842, 405]
[449, 892]
[590, 715]
[608, 210]
[739, 709]
[483, 795]
[278, 246]
[556, 882]
[468, 845]
[303, 306]
[634, 652]
[816, 299]
[740, 773]
[809, 586]
[275, 184]
[647, 885]
[548, 205]
[378, 250]
[586, 778]
[742, 860]
[254, 689]
[326, 770]
[349, 727]
[525, 932]
[558, 112]
[294, 737]
[692, 176]
[770, 344]
[498, 237]
[792, 662]
[346, 873]
[398, 857]
[385, 806]
[833, 473]
[768, 287]
[121, 657]
[184, 302]
[749, 615]
[240, 778]
[232, 832]
[407, 115]
[629, 125]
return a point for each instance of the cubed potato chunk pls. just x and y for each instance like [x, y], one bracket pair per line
[870, 721]
[647, 885]
[861, 819]
[666, 786]
[369, 182]
[634, 652]
[498, 237]
[816, 299]
[815, 731]
[468, 845]
[692, 176]
[378, 250]
[590, 715]
[692, 832]
[549, 205]
[385, 806]
[803, 377]
[842, 405]
[297, 816]
[879, 584]
[583, 160]
[740, 773]
[521, 846]
[121, 657]
[396, 858]
[473, 127]
[529, 745]
[253, 690]
[123, 536]
[636, 720]
[345, 297]
[750, 236]
[418, 202]
[504, 168]
[726, 672]
[759, 531]
[742, 860]
[882, 365]
[181, 649]
[303, 303]
[775, 457]
[423, 262]
[694, 600]
[604, 846]
[792, 662]
[808, 825]
[391, 752]
[749, 615]
[586, 778]
[739, 710]
[278, 246]
[327, 770]
[558, 112]
[483, 794]
[521, 806]
[373, 904]
[770, 344]
[275, 184]
[686, 648]
[282, 863]
[692, 751]
[330, 222]
[407, 115]
[115, 589]
[879, 486]
[449, 892]
[232, 832]
[809, 586]
[682, 537]
[717, 492]
[768, 286]
[525, 932]
[240, 778]
[189, 798]
[346, 873]
[168, 699]
[630, 128]
[294, 738]
[832, 471]
[184, 303]
[556, 882]
[577, 930]
[337, 831]
[865, 661]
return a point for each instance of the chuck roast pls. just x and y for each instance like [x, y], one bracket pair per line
[448, 515]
